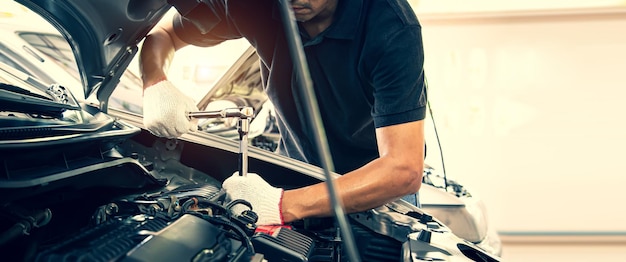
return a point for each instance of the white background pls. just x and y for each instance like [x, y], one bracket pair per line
[530, 103]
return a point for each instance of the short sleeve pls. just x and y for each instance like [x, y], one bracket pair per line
[398, 79]
[207, 24]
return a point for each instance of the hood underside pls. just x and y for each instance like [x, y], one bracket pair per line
[103, 34]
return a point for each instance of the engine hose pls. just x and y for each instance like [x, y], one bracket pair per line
[216, 220]
[23, 227]
[239, 201]
[187, 204]
[185, 207]
[233, 226]
[213, 205]
[20, 228]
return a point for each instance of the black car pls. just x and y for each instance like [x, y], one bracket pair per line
[80, 181]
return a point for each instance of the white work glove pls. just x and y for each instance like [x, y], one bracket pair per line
[165, 110]
[264, 198]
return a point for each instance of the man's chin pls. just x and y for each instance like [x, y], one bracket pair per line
[302, 18]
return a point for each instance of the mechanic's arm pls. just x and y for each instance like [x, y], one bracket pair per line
[164, 106]
[396, 173]
[157, 53]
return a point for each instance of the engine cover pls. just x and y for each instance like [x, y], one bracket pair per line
[145, 238]
[189, 238]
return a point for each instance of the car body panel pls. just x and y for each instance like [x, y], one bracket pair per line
[116, 29]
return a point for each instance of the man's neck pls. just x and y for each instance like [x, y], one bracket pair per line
[319, 23]
[314, 28]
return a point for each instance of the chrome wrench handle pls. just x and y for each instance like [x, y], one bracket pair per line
[245, 115]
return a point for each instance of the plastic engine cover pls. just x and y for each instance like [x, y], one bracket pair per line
[189, 238]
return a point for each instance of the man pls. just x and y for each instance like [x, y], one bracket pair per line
[366, 62]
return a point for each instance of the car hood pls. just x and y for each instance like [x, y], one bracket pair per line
[103, 34]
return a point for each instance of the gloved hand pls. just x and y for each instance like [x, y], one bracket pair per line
[165, 110]
[264, 198]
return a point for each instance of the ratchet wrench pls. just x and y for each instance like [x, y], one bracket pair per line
[245, 115]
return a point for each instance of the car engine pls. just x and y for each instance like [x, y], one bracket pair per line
[101, 189]
[112, 207]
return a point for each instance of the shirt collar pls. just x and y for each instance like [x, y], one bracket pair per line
[347, 18]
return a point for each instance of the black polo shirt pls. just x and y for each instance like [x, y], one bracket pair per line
[367, 70]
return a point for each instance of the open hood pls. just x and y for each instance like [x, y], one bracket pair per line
[103, 34]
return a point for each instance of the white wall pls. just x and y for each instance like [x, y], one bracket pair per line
[530, 108]
[464, 6]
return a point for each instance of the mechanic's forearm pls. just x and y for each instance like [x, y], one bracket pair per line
[156, 55]
[375, 184]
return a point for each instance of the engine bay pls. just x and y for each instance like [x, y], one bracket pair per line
[119, 193]
[113, 199]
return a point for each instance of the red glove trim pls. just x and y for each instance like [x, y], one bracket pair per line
[271, 230]
[159, 80]
[280, 207]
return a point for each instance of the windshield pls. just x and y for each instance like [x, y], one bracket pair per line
[53, 46]
[23, 61]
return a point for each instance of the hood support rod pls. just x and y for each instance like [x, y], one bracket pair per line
[314, 119]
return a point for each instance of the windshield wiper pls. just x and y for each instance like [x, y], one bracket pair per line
[41, 98]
